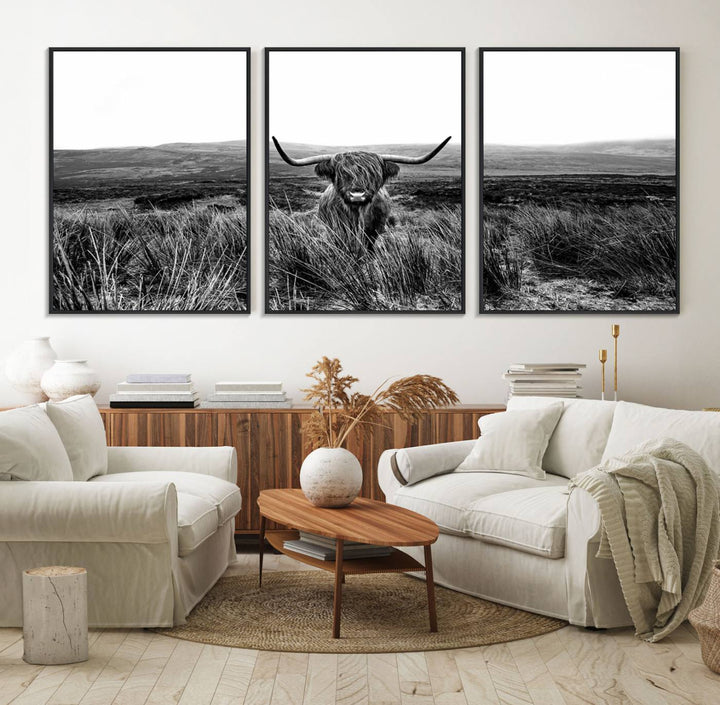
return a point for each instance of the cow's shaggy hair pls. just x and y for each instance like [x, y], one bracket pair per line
[352, 173]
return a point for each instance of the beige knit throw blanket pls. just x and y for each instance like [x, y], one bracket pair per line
[659, 509]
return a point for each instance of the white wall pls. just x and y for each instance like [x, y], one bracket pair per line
[668, 360]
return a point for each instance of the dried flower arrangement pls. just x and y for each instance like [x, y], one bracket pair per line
[338, 410]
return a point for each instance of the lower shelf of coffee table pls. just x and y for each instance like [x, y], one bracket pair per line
[396, 562]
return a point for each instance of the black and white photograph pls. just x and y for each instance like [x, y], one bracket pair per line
[149, 180]
[365, 180]
[579, 180]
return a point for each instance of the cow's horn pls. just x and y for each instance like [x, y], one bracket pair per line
[400, 159]
[305, 161]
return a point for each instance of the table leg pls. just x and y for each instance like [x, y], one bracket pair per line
[261, 549]
[337, 597]
[430, 588]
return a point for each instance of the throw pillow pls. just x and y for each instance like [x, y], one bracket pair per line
[579, 439]
[30, 447]
[81, 429]
[513, 442]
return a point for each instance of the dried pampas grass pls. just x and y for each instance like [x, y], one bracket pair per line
[338, 410]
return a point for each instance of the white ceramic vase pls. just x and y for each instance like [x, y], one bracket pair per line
[331, 477]
[66, 378]
[26, 365]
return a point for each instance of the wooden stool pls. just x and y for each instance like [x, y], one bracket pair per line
[55, 625]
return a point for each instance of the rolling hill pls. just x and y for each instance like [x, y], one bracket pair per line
[618, 157]
[177, 162]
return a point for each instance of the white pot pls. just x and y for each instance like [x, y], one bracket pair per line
[331, 477]
[26, 365]
[66, 378]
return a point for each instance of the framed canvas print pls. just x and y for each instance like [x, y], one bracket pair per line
[149, 188]
[579, 187]
[365, 180]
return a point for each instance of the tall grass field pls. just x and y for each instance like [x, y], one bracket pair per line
[416, 266]
[159, 228]
[192, 258]
[580, 241]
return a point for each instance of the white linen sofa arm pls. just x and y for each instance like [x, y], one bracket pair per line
[407, 466]
[219, 462]
[88, 512]
[386, 479]
[583, 520]
[594, 594]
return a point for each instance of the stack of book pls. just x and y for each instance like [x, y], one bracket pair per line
[247, 395]
[323, 548]
[155, 391]
[544, 379]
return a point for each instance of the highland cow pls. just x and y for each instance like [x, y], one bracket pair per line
[356, 199]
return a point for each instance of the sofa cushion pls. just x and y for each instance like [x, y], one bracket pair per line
[636, 423]
[446, 499]
[532, 520]
[197, 521]
[30, 447]
[81, 429]
[580, 437]
[223, 495]
[513, 442]
[421, 462]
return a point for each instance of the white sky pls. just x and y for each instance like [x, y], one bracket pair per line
[145, 98]
[564, 97]
[365, 97]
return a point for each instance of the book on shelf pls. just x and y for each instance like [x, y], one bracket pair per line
[544, 385]
[528, 376]
[155, 387]
[326, 540]
[155, 396]
[568, 394]
[545, 393]
[326, 553]
[246, 404]
[154, 404]
[156, 390]
[559, 382]
[158, 377]
[248, 387]
[557, 366]
[545, 379]
[248, 396]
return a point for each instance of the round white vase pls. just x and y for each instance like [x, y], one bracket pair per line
[66, 378]
[26, 365]
[331, 477]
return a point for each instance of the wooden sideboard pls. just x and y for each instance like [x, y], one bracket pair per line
[270, 443]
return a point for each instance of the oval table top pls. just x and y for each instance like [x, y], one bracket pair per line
[365, 520]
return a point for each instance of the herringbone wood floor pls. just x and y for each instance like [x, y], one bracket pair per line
[568, 666]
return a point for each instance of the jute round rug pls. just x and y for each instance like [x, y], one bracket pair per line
[380, 613]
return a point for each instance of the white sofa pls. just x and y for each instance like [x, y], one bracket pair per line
[154, 527]
[526, 542]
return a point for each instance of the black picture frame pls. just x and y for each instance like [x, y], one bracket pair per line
[270, 149]
[242, 296]
[674, 210]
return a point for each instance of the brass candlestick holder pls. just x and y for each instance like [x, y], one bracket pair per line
[603, 360]
[615, 330]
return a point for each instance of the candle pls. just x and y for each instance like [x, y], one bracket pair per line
[615, 331]
[603, 359]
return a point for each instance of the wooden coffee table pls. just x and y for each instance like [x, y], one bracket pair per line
[364, 520]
